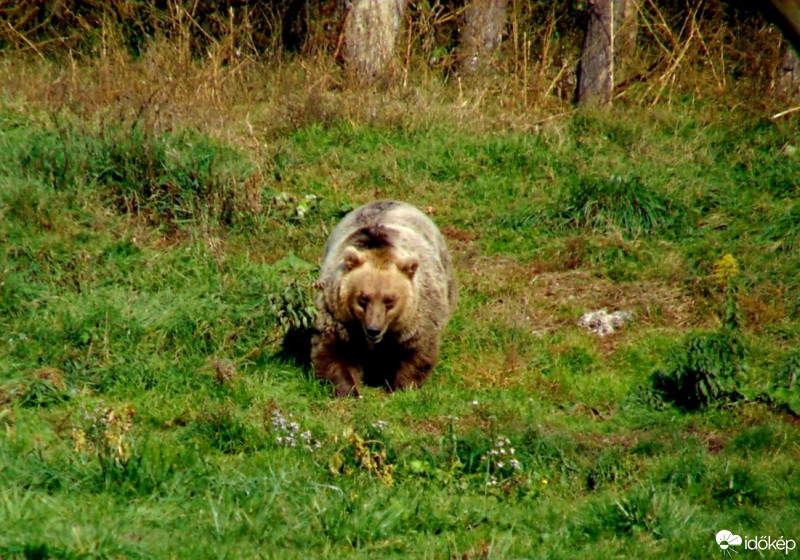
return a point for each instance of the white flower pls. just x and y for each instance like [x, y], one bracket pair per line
[379, 425]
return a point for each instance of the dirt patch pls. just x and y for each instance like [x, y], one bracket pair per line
[713, 442]
[763, 306]
[458, 235]
[545, 301]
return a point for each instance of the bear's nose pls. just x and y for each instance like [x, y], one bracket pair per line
[373, 332]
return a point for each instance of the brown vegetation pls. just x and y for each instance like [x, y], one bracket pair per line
[228, 54]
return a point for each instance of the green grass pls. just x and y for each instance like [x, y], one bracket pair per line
[146, 280]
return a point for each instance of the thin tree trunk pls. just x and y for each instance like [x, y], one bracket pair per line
[788, 78]
[481, 34]
[371, 32]
[596, 73]
[626, 31]
[786, 14]
[789, 20]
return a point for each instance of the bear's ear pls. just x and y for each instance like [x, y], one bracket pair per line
[352, 259]
[408, 266]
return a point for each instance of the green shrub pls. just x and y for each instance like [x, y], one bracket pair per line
[293, 305]
[706, 369]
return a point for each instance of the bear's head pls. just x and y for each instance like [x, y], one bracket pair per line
[377, 290]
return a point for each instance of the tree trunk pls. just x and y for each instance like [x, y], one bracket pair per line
[786, 14]
[788, 78]
[626, 31]
[371, 32]
[481, 34]
[788, 19]
[596, 72]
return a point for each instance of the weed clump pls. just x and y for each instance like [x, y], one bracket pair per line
[640, 512]
[46, 387]
[169, 180]
[362, 455]
[501, 462]
[105, 432]
[784, 391]
[615, 203]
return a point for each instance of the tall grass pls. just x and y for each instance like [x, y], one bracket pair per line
[618, 203]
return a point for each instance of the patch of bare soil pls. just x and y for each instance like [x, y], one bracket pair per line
[544, 301]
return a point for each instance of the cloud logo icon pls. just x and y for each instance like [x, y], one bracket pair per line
[726, 539]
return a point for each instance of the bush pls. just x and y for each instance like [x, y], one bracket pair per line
[706, 369]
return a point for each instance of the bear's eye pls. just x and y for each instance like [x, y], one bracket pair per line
[389, 301]
[363, 301]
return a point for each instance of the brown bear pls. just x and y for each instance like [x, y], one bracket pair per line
[386, 292]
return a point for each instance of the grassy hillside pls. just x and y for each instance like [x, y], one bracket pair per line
[157, 244]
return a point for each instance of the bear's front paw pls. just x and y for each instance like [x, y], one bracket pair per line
[411, 376]
[345, 390]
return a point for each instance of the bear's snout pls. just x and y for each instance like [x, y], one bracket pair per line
[373, 334]
[373, 331]
[374, 322]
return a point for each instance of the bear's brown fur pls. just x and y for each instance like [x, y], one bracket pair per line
[387, 290]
